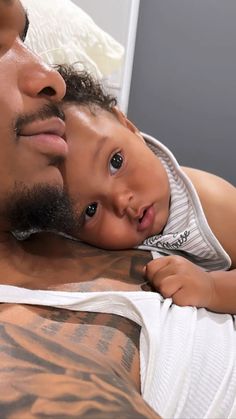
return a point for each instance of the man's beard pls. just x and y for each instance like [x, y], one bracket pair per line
[41, 208]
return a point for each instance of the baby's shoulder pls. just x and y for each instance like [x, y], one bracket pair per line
[209, 186]
[218, 199]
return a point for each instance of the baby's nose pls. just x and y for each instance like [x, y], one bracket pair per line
[121, 202]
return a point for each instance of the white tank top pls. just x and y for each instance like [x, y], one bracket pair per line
[187, 232]
[187, 355]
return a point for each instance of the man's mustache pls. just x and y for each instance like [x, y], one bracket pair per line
[47, 111]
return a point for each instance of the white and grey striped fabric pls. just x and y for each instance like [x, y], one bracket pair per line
[187, 232]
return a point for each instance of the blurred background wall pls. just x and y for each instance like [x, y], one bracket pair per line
[183, 87]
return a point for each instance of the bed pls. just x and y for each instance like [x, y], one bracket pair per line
[79, 32]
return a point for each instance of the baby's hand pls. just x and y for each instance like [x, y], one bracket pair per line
[176, 277]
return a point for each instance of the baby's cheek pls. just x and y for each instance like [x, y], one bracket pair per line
[119, 235]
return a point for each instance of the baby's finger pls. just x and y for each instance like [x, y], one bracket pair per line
[183, 298]
[157, 266]
[167, 286]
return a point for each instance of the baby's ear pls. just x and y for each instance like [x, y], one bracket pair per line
[122, 118]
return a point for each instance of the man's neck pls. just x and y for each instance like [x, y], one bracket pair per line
[49, 261]
[41, 259]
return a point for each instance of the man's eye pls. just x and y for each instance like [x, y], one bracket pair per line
[115, 163]
[91, 210]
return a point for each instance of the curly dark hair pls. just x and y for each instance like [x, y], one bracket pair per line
[83, 89]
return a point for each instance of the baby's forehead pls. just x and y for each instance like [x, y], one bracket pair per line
[91, 109]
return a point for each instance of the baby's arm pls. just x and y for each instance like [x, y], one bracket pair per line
[187, 284]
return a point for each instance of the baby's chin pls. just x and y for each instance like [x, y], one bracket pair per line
[158, 228]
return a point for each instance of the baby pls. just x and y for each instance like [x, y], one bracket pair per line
[131, 192]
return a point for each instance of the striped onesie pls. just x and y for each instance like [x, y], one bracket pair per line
[187, 232]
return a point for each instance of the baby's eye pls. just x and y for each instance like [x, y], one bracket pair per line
[115, 163]
[91, 210]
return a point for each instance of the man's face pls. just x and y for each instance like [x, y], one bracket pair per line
[120, 186]
[31, 125]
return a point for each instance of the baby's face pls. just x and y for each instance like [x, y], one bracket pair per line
[118, 185]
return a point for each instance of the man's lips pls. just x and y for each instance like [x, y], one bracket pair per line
[47, 136]
[147, 218]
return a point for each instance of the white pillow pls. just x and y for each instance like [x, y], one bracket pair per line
[62, 33]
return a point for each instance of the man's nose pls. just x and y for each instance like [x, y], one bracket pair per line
[37, 79]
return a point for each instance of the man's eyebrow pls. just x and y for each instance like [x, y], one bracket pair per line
[26, 27]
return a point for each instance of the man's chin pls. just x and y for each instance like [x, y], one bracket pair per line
[50, 176]
[40, 208]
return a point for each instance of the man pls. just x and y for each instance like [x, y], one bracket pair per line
[54, 363]
[64, 363]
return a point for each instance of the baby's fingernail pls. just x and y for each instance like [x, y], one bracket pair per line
[144, 270]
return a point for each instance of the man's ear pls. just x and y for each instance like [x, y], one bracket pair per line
[122, 118]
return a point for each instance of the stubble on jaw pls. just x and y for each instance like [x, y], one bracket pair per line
[40, 208]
